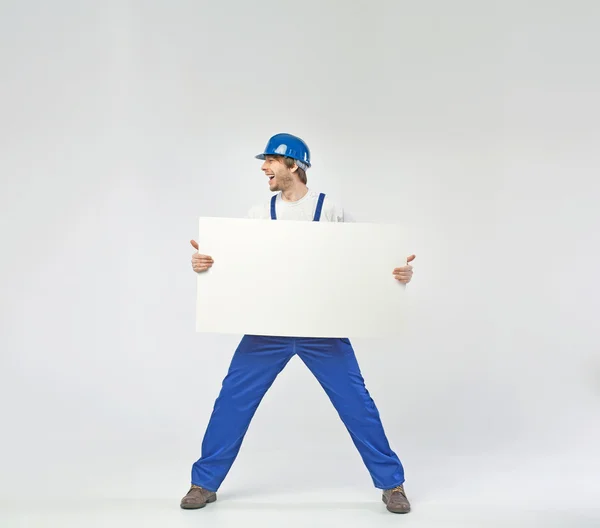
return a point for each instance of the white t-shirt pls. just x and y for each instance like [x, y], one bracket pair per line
[303, 209]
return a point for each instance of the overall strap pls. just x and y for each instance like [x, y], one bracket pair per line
[319, 207]
[273, 213]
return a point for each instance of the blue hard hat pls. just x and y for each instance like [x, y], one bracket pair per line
[288, 146]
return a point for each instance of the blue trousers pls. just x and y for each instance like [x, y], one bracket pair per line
[255, 365]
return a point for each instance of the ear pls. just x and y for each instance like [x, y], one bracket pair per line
[294, 168]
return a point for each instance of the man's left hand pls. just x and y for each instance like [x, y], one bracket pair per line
[404, 274]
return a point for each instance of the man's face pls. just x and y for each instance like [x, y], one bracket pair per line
[280, 177]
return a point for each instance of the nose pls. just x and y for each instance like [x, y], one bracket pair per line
[264, 166]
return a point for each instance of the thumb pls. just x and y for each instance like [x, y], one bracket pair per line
[194, 244]
[410, 259]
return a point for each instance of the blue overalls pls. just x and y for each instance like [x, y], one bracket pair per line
[255, 365]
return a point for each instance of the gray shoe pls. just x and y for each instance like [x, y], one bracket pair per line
[197, 497]
[395, 500]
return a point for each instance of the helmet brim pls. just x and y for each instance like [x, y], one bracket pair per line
[263, 156]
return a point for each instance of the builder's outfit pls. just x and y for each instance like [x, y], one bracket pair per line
[259, 359]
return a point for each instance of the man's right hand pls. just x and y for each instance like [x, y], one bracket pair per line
[200, 262]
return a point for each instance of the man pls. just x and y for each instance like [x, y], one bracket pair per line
[259, 359]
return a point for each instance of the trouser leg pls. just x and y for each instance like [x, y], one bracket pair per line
[335, 366]
[255, 365]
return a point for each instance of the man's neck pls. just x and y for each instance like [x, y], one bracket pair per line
[294, 193]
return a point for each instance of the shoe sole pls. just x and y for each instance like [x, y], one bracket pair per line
[391, 510]
[197, 506]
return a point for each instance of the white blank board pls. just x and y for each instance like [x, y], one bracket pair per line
[293, 278]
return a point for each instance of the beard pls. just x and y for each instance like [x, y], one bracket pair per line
[283, 182]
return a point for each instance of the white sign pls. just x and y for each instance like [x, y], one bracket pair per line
[305, 279]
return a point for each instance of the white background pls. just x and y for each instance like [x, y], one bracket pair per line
[472, 123]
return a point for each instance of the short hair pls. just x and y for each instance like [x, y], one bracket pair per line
[289, 163]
